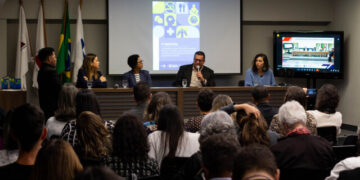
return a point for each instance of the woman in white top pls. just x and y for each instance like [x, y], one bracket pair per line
[65, 112]
[171, 140]
[327, 101]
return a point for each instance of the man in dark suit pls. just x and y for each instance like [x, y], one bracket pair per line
[196, 74]
[49, 84]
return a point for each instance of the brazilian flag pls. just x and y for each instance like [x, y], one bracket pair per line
[63, 59]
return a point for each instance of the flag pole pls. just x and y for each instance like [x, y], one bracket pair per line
[44, 26]
[81, 2]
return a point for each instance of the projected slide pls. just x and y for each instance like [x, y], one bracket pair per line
[176, 33]
[308, 52]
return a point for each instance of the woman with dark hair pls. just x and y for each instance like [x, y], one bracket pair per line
[130, 149]
[151, 114]
[65, 111]
[56, 160]
[85, 101]
[136, 74]
[298, 94]
[260, 73]
[171, 140]
[327, 101]
[89, 72]
[93, 139]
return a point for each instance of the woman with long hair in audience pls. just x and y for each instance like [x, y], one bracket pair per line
[89, 72]
[327, 101]
[298, 94]
[220, 101]
[57, 161]
[85, 101]
[130, 149]
[93, 139]
[151, 115]
[66, 110]
[171, 140]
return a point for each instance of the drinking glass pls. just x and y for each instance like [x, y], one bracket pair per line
[89, 84]
[184, 83]
[125, 83]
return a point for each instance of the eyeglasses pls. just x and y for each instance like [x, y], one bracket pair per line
[195, 60]
[140, 61]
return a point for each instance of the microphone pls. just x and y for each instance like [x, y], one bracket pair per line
[198, 68]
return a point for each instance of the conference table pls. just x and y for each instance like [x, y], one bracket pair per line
[114, 101]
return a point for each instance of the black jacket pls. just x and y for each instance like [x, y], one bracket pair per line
[49, 88]
[267, 111]
[185, 72]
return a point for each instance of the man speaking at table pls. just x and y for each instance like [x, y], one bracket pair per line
[196, 74]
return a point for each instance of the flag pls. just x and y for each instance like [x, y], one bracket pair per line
[40, 43]
[23, 51]
[63, 62]
[78, 51]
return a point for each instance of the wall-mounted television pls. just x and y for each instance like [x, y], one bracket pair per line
[309, 54]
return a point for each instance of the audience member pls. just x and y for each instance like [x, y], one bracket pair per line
[85, 101]
[218, 153]
[49, 84]
[142, 96]
[171, 140]
[151, 115]
[98, 173]
[350, 174]
[57, 161]
[261, 98]
[327, 101]
[294, 93]
[204, 104]
[65, 112]
[28, 128]
[10, 152]
[299, 155]
[130, 149]
[217, 122]
[2, 119]
[346, 164]
[89, 73]
[136, 74]
[93, 139]
[220, 101]
[255, 162]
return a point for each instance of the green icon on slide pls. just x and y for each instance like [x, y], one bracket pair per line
[182, 32]
[159, 20]
[194, 18]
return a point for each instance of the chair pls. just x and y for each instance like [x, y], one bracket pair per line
[301, 174]
[170, 166]
[329, 133]
[344, 151]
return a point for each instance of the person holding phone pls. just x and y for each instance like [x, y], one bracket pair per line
[260, 74]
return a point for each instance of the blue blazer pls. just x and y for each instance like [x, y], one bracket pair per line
[144, 77]
[96, 83]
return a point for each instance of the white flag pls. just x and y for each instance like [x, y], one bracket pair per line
[23, 52]
[40, 43]
[78, 51]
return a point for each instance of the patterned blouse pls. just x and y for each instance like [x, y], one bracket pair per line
[140, 167]
[276, 126]
[69, 132]
[193, 124]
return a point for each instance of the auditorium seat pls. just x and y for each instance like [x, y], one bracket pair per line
[329, 133]
[344, 151]
[170, 166]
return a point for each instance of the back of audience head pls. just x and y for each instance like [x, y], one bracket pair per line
[27, 125]
[218, 152]
[172, 124]
[142, 92]
[44, 53]
[130, 138]
[205, 99]
[98, 173]
[94, 138]
[296, 93]
[217, 122]
[252, 130]
[9, 143]
[327, 99]
[66, 103]
[260, 94]
[220, 101]
[56, 160]
[157, 102]
[255, 162]
[292, 114]
[86, 101]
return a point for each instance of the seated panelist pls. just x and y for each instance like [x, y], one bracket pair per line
[196, 74]
[89, 73]
[260, 74]
[136, 74]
